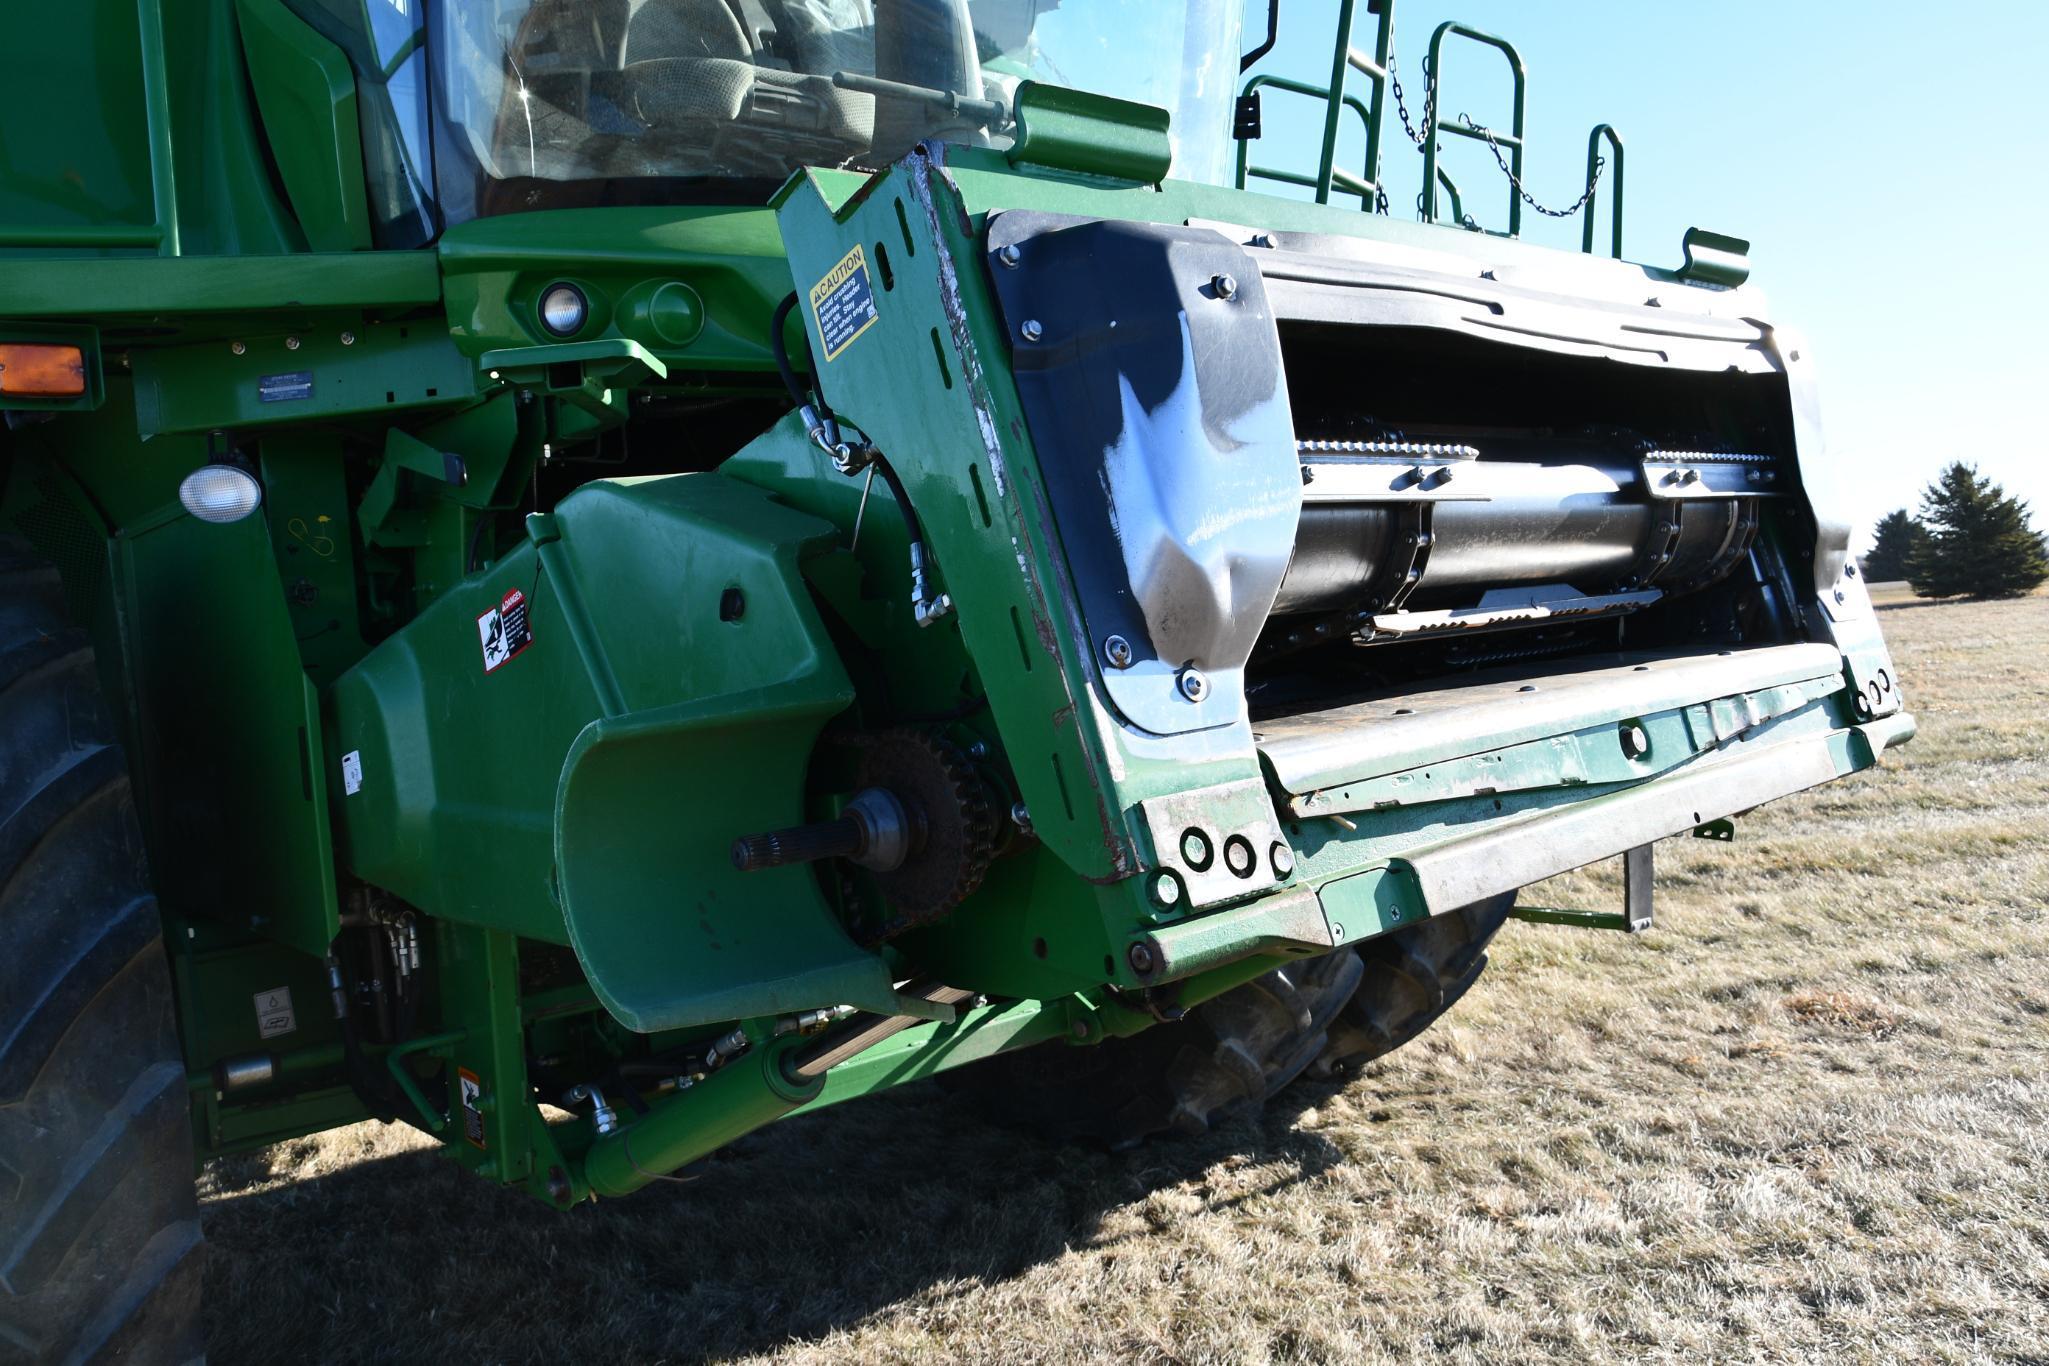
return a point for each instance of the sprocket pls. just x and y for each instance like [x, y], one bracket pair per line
[948, 801]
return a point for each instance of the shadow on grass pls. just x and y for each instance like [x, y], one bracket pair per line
[799, 1230]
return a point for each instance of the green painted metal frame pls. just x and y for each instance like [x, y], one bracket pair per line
[471, 302]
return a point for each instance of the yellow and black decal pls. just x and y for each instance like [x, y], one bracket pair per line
[843, 303]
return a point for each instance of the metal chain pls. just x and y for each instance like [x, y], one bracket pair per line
[1593, 181]
[1421, 139]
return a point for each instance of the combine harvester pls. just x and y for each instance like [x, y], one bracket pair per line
[587, 574]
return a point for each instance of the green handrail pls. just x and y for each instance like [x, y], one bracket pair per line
[1512, 140]
[1366, 187]
[1586, 235]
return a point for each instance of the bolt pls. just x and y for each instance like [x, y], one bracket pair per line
[1282, 857]
[1030, 330]
[1021, 818]
[1010, 256]
[348, 339]
[1141, 958]
[1195, 850]
[1193, 685]
[1262, 239]
[1080, 1028]
[979, 750]
[1238, 856]
[1308, 474]
[1337, 932]
[291, 343]
[1224, 285]
[1849, 571]
[239, 348]
[1636, 741]
[1118, 651]
[1166, 890]
[1840, 598]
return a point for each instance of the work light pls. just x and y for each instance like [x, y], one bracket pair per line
[220, 492]
[563, 310]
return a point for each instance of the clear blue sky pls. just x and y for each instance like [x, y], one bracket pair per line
[1884, 159]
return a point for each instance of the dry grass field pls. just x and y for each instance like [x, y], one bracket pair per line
[1806, 1118]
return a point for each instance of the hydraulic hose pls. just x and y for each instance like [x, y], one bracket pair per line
[808, 400]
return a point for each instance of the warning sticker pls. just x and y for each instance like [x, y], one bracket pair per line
[472, 1088]
[843, 303]
[352, 772]
[503, 631]
[274, 1015]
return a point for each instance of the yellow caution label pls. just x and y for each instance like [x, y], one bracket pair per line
[843, 303]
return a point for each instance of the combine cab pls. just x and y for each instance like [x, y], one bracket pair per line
[584, 576]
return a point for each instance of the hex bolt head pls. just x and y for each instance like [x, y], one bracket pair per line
[1010, 256]
[1166, 889]
[1117, 650]
[291, 343]
[1195, 849]
[1282, 858]
[348, 339]
[1080, 1028]
[1238, 856]
[1224, 285]
[1140, 956]
[1636, 741]
[1030, 330]
[239, 348]
[1193, 685]
[1021, 817]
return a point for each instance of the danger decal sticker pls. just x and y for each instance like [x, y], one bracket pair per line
[843, 303]
[504, 630]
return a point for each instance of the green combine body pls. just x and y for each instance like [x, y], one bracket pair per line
[585, 576]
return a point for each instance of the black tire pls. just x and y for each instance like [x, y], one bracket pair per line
[1229, 1053]
[100, 1248]
[1412, 977]
[1238, 1050]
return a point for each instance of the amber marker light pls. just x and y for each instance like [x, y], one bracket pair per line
[39, 370]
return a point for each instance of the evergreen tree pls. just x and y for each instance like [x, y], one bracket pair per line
[1978, 540]
[1893, 547]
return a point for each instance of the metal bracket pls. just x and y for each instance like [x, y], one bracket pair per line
[1635, 916]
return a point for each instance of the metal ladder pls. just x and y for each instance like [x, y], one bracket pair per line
[1509, 147]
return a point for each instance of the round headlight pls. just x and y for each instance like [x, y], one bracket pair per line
[563, 310]
[220, 493]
